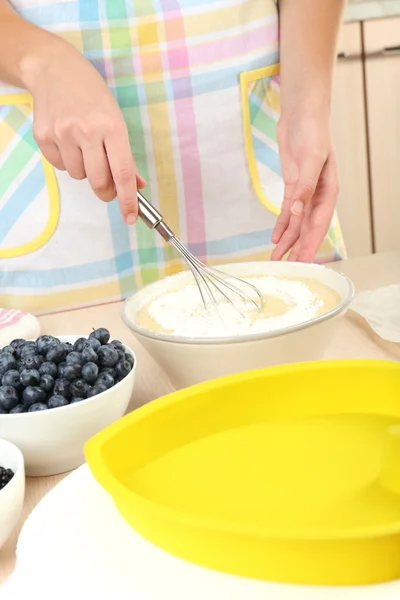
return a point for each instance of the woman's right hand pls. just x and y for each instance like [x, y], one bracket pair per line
[79, 126]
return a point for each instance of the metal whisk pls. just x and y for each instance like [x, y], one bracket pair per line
[208, 279]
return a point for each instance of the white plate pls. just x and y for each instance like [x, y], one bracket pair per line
[75, 544]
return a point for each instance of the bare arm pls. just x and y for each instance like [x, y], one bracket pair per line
[77, 123]
[308, 33]
[24, 48]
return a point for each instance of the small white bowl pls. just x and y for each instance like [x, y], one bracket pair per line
[12, 495]
[188, 361]
[52, 440]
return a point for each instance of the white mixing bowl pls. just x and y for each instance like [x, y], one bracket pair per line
[188, 361]
[52, 440]
[12, 495]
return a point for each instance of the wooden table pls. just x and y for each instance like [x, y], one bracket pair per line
[350, 342]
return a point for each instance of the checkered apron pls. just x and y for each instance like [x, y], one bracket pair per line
[198, 84]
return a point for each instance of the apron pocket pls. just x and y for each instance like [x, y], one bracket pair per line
[260, 92]
[29, 198]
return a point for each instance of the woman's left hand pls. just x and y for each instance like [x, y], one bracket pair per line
[311, 185]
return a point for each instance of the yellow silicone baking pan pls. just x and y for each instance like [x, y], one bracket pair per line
[288, 474]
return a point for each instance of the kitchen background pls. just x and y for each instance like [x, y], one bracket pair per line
[366, 126]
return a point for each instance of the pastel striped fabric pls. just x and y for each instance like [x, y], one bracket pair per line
[174, 67]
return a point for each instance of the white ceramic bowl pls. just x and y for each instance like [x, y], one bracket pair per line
[188, 361]
[12, 495]
[52, 441]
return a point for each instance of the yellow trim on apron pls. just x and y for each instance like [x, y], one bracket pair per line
[245, 79]
[52, 189]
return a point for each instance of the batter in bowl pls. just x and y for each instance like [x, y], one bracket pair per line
[287, 302]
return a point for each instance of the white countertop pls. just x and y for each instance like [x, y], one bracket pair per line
[363, 10]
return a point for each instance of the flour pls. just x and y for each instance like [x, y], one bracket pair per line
[181, 312]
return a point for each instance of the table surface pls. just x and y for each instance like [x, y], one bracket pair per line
[350, 341]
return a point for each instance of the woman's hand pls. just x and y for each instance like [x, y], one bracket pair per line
[79, 127]
[311, 185]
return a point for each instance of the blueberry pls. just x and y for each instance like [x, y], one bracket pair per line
[12, 378]
[61, 369]
[96, 389]
[29, 377]
[56, 353]
[48, 368]
[26, 349]
[108, 356]
[8, 349]
[93, 343]
[8, 397]
[74, 358]
[121, 355]
[71, 372]
[20, 408]
[68, 346]
[117, 345]
[89, 355]
[38, 406]
[129, 358]
[79, 344]
[44, 343]
[17, 343]
[47, 383]
[56, 401]
[110, 370]
[77, 399]
[90, 372]
[61, 388]
[123, 368]
[32, 361]
[105, 379]
[7, 362]
[102, 334]
[33, 394]
[79, 388]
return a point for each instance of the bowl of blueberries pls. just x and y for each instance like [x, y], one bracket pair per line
[12, 488]
[56, 393]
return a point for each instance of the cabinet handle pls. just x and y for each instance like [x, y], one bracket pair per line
[342, 55]
[390, 50]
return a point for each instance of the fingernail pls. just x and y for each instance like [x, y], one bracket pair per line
[297, 207]
[131, 219]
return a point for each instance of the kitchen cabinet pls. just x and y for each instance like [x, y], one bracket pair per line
[350, 139]
[382, 71]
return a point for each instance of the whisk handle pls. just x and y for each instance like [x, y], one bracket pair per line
[152, 218]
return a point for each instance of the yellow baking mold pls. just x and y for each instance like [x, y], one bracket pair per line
[288, 474]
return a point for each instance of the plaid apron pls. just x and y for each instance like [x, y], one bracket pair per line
[198, 84]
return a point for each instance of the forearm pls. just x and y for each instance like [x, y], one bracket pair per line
[25, 50]
[308, 36]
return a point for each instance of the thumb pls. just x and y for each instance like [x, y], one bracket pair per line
[304, 190]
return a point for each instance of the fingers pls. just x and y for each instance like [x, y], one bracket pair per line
[319, 217]
[289, 237]
[282, 222]
[109, 166]
[301, 182]
[52, 154]
[309, 173]
[124, 174]
[290, 176]
[47, 145]
[98, 172]
[73, 161]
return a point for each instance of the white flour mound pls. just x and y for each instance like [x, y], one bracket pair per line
[181, 312]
